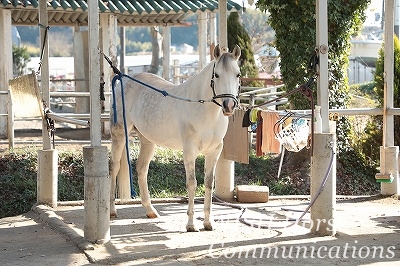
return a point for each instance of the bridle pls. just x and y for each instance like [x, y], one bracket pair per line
[223, 95]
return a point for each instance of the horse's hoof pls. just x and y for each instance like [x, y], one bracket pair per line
[152, 215]
[208, 226]
[191, 228]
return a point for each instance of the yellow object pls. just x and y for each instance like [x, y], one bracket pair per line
[253, 114]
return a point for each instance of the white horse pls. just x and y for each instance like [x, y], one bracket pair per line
[180, 124]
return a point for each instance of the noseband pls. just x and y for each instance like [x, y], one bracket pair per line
[223, 95]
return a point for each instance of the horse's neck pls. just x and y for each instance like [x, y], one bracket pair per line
[199, 84]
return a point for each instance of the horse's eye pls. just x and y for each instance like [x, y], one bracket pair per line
[216, 75]
[238, 75]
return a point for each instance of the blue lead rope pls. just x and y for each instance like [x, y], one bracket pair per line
[114, 106]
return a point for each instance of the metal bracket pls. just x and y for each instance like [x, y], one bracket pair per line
[323, 49]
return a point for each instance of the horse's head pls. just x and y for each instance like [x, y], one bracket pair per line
[225, 81]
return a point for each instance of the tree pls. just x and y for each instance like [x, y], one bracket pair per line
[295, 28]
[237, 35]
[21, 59]
[259, 31]
[155, 44]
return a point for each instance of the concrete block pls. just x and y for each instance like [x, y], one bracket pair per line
[252, 194]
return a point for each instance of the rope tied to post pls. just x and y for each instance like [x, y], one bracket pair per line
[47, 28]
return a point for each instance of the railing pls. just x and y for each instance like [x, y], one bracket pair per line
[253, 94]
[249, 95]
[71, 118]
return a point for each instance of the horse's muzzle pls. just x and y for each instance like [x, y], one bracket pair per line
[228, 106]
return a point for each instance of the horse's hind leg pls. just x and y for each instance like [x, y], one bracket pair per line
[147, 149]
[209, 176]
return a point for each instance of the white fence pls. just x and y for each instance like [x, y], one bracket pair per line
[249, 96]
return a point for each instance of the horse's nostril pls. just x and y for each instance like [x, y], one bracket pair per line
[228, 104]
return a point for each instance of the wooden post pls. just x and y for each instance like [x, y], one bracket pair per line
[166, 48]
[95, 157]
[223, 27]
[388, 164]
[6, 69]
[323, 210]
[213, 34]
[176, 74]
[225, 169]
[47, 176]
[202, 22]
[81, 69]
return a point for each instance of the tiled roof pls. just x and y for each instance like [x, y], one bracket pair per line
[128, 12]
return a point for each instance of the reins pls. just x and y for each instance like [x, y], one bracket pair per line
[119, 76]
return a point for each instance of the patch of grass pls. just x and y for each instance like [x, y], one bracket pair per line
[17, 182]
[167, 177]
[70, 176]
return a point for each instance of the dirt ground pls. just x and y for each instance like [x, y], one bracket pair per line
[368, 233]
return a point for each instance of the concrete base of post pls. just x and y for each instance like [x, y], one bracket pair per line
[97, 194]
[47, 177]
[390, 165]
[323, 209]
[224, 179]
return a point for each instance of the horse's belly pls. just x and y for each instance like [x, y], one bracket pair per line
[161, 136]
[169, 136]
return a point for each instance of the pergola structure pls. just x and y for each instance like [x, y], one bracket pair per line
[127, 13]
[102, 19]
[113, 13]
[95, 156]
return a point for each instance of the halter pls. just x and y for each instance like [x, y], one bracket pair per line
[223, 95]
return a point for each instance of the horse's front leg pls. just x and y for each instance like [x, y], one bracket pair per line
[209, 176]
[147, 149]
[189, 159]
[117, 148]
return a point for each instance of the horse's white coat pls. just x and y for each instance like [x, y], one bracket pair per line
[191, 127]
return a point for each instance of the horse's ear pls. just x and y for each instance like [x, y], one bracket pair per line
[236, 52]
[217, 52]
